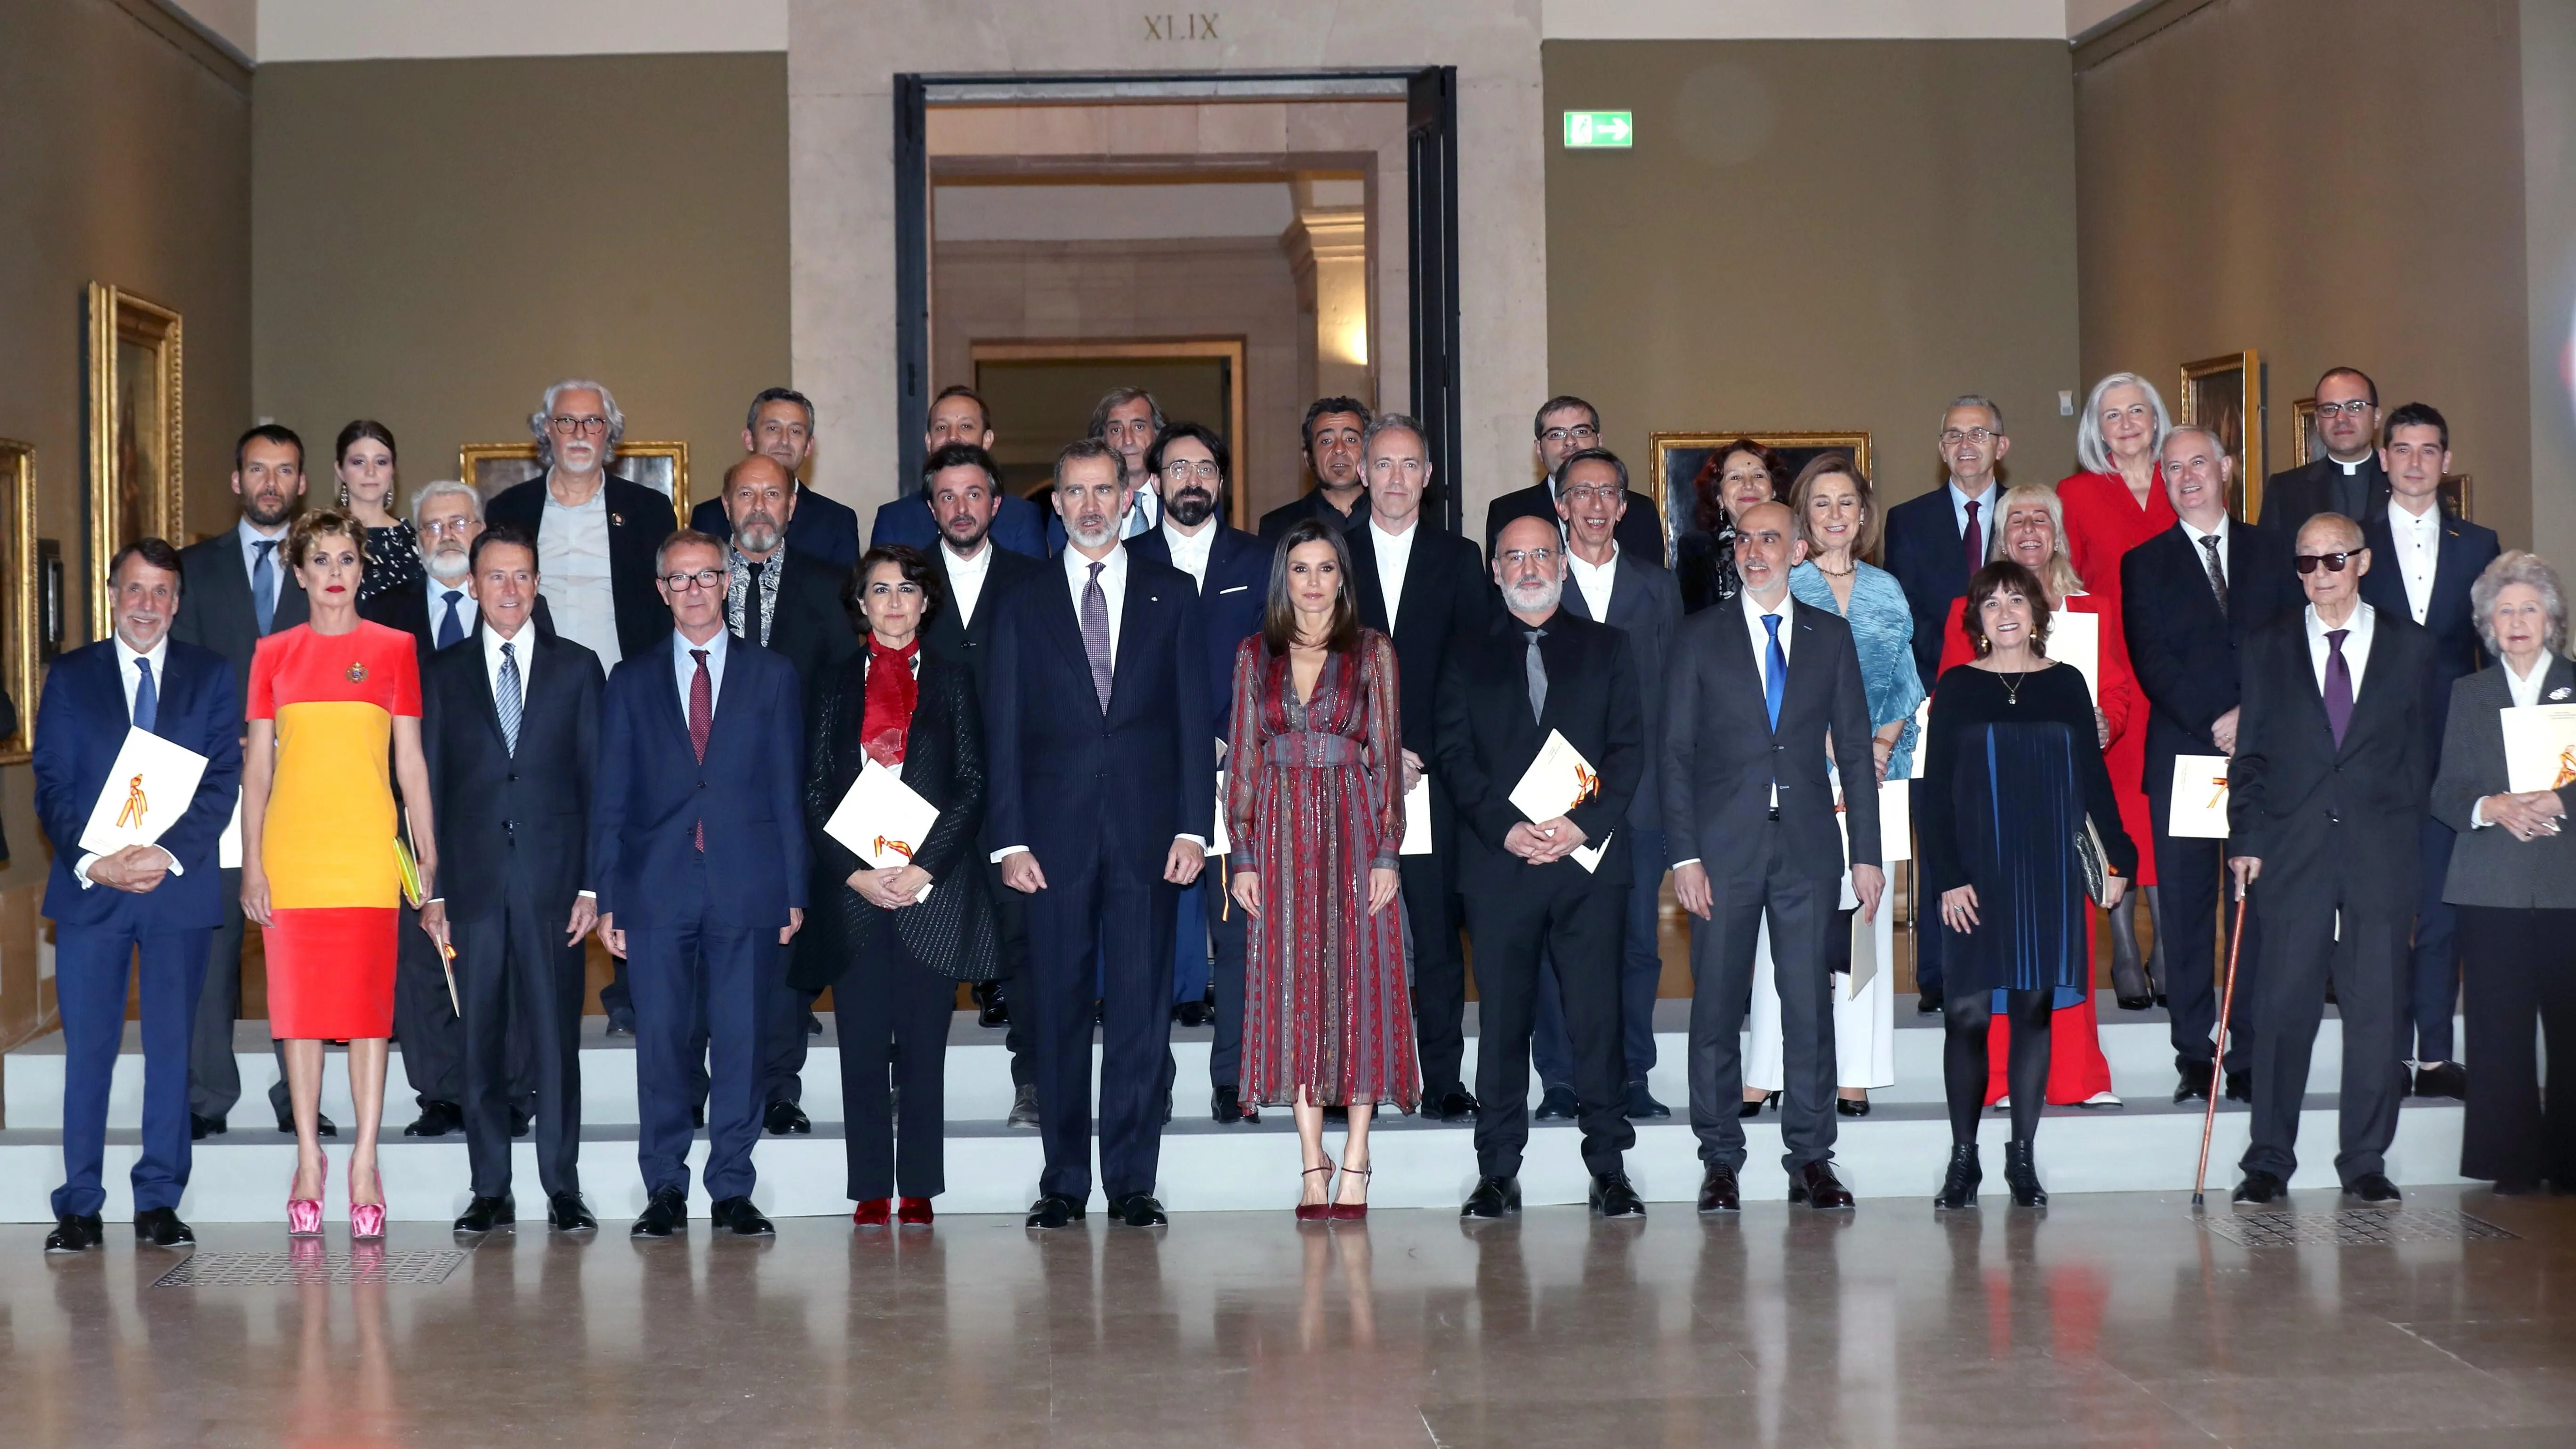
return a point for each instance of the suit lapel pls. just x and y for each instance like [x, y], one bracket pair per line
[1057, 618]
[1142, 613]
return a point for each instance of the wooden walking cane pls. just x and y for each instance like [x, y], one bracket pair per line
[2218, 1053]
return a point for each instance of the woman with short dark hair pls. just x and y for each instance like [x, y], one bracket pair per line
[1733, 479]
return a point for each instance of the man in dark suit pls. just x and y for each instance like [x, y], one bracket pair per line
[510, 732]
[1504, 691]
[1758, 690]
[1423, 589]
[1329, 440]
[161, 901]
[781, 428]
[2346, 476]
[1564, 427]
[2424, 561]
[1231, 571]
[2190, 596]
[239, 590]
[698, 851]
[958, 415]
[2325, 794]
[1103, 794]
[595, 532]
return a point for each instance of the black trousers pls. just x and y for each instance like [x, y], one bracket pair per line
[2434, 988]
[1227, 931]
[1130, 920]
[521, 987]
[2521, 972]
[1804, 912]
[214, 1078]
[2369, 968]
[1011, 925]
[1439, 975]
[1578, 922]
[425, 1022]
[2187, 893]
[1927, 922]
[893, 1016]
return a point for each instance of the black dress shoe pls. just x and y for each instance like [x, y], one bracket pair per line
[2022, 1176]
[1852, 1107]
[1225, 1104]
[1455, 1105]
[2240, 1087]
[994, 1014]
[2193, 1081]
[2260, 1187]
[1613, 1196]
[2442, 1079]
[567, 1213]
[162, 1229]
[1557, 1104]
[621, 1023]
[322, 1126]
[2372, 1187]
[1194, 1013]
[1817, 1187]
[666, 1213]
[737, 1216]
[1718, 1192]
[1642, 1106]
[483, 1214]
[2135, 1003]
[520, 1121]
[1927, 1003]
[1055, 1211]
[813, 1024]
[201, 1128]
[73, 1233]
[1753, 1105]
[1959, 1185]
[437, 1119]
[787, 1119]
[1494, 1197]
[1138, 1210]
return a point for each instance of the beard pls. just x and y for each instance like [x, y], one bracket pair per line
[1191, 506]
[265, 509]
[1092, 530]
[757, 534]
[964, 530]
[446, 564]
[1534, 596]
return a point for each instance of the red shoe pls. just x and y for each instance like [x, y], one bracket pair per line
[872, 1213]
[913, 1212]
[1351, 1212]
[304, 1217]
[1316, 1212]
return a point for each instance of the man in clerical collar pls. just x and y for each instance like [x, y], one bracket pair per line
[2346, 477]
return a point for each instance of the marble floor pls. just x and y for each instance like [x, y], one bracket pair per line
[2110, 1319]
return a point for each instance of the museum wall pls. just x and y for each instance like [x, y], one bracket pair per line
[2549, 228]
[1817, 236]
[434, 241]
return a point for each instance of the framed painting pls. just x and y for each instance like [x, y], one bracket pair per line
[21, 624]
[2304, 443]
[663, 467]
[2225, 395]
[1678, 460]
[135, 401]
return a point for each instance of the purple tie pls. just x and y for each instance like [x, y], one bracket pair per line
[2338, 685]
[1972, 543]
[1095, 634]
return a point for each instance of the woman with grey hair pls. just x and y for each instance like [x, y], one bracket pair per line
[2513, 880]
[2116, 500]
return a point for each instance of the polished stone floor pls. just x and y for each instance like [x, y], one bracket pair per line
[2110, 1319]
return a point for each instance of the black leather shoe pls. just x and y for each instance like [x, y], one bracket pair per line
[1613, 1196]
[1055, 1211]
[621, 1023]
[665, 1214]
[483, 1214]
[162, 1229]
[2240, 1087]
[1557, 1104]
[2372, 1187]
[1494, 1197]
[1455, 1105]
[1817, 1187]
[737, 1216]
[1718, 1192]
[787, 1119]
[2193, 1081]
[567, 1213]
[1852, 1107]
[2442, 1079]
[520, 1121]
[1194, 1013]
[1753, 1105]
[1642, 1106]
[1138, 1210]
[995, 1013]
[2135, 1003]
[201, 1128]
[813, 1024]
[73, 1233]
[322, 1126]
[1927, 1003]
[437, 1119]
[1225, 1104]
[2022, 1176]
[1959, 1185]
[2260, 1187]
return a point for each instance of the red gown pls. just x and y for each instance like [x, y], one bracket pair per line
[2103, 522]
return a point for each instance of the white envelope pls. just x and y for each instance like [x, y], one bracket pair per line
[2199, 807]
[1220, 843]
[1864, 951]
[228, 849]
[149, 787]
[2076, 639]
[2539, 747]
[1557, 781]
[1895, 825]
[1417, 818]
[882, 820]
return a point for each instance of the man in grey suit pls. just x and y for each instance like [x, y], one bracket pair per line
[1757, 689]
[1640, 597]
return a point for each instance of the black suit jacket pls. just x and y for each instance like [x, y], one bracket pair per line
[407, 608]
[2183, 650]
[809, 625]
[2462, 552]
[2332, 824]
[1231, 603]
[1311, 504]
[512, 821]
[2295, 495]
[1446, 594]
[824, 528]
[964, 639]
[1646, 605]
[215, 610]
[1640, 533]
[638, 520]
[1487, 741]
[1929, 559]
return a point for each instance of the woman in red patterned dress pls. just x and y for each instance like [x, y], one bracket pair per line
[1315, 808]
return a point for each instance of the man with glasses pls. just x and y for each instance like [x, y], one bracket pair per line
[781, 429]
[1566, 426]
[2346, 476]
[958, 416]
[595, 531]
[1329, 439]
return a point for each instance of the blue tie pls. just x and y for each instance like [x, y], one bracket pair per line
[1775, 672]
[451, 628]
[147, 700]
[263, 583]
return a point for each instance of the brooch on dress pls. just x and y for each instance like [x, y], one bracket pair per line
[357, 673]
[618, 518]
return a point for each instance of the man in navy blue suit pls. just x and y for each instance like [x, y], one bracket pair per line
[698, 849]
[1190, 466]
[958, 415]
[2423, 561]
[1104, 791]
[781, 427]
[165, 898]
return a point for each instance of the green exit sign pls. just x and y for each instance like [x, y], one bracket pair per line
[1585, 130]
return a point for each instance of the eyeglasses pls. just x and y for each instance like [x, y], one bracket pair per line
[702, 579]
[2334, 562]
[1561, 436]
[1602, 492]
[1177, 469]
[568, 425]
[1539, 556]
[442, 527]
[1953, 437]
[2354, 408]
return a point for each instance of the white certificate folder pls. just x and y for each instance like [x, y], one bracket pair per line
[2539, 747]
[149, 787]
[882, 820]
[1557, 781]
[2199, 800]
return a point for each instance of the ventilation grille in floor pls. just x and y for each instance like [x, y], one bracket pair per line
[296, 1269]
[2352, 1227]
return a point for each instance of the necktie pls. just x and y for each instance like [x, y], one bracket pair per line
[1536, 668]
[452, 628]
[263, 584]
[1972, 544]
[1775, 672]
[2338, 685]
[747, 624]
[2217, 571]
[1095, 634]
[147, 700]
[505, 699]
[702, 711]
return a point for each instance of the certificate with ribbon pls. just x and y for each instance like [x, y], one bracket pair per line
[2539, 747]
[149, 787]
[2198, 808]
[882, 820]
[1557, 781]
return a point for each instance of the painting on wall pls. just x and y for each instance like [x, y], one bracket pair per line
[662, 467]
[1679, 460]
[135, 396]
[2225, 395]
[20, 624]
[2304, 442]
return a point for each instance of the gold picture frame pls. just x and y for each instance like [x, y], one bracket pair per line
[1677, 458]
[488, 468]
[136, 404]
[2303, 431]
[20, 673]
[2225, 394]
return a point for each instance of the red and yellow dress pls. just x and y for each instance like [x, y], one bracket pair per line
[327, 841]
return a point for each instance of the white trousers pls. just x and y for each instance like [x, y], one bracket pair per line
[1864, 1025]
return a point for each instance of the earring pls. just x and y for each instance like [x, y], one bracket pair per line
[1985, 646]
[344, 497]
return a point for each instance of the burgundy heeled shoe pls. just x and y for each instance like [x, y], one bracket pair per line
[366, 1219]
[1315, 1212]
[1351, 1212]
[872, 1213]
[913, 1212]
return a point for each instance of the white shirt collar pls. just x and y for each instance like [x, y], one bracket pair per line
[1078, 568]
[2400, 516]
[715, 647]
[160, 657]
[2525, 692]
[1391, 538]
[2196, 533]
[2349, 469]
[1959, 497]
[1581, 566]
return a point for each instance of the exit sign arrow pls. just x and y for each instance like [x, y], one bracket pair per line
[1587, 130]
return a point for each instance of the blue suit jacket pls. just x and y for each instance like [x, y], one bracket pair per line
[652, 791]
[1080, 787]
[1230, 604]
[1927, 556]
[79, 728]
[821, 527]
[1019, 527]
[2464, 551]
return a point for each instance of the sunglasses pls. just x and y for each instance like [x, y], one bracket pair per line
[2334, 562]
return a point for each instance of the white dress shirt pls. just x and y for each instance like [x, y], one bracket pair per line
[436, 590]
[685, 669]
[2416, 541]
[1113, 587]
[2200, 555]
[577, 583]
[525, 650]
[1761, 636]
[251, 537]
[133, 678]
[1190, 555]
[1960, 498]
[1394, 553]
[1594, 580]
[966, 576]
[2356, 645]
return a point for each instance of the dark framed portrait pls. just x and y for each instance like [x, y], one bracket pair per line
[663, 467]
[1679, 461]
[135, 405]
[2225, 395]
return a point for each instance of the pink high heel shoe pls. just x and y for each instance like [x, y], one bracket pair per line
[304, 1217]
[366, 1219]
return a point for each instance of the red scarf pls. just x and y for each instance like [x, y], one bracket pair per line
[892, 693]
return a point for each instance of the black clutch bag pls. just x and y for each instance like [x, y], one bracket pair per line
[2089, 860]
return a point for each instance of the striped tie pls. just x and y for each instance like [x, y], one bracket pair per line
[505, 699]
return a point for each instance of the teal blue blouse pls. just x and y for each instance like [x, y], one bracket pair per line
[1883, 631]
